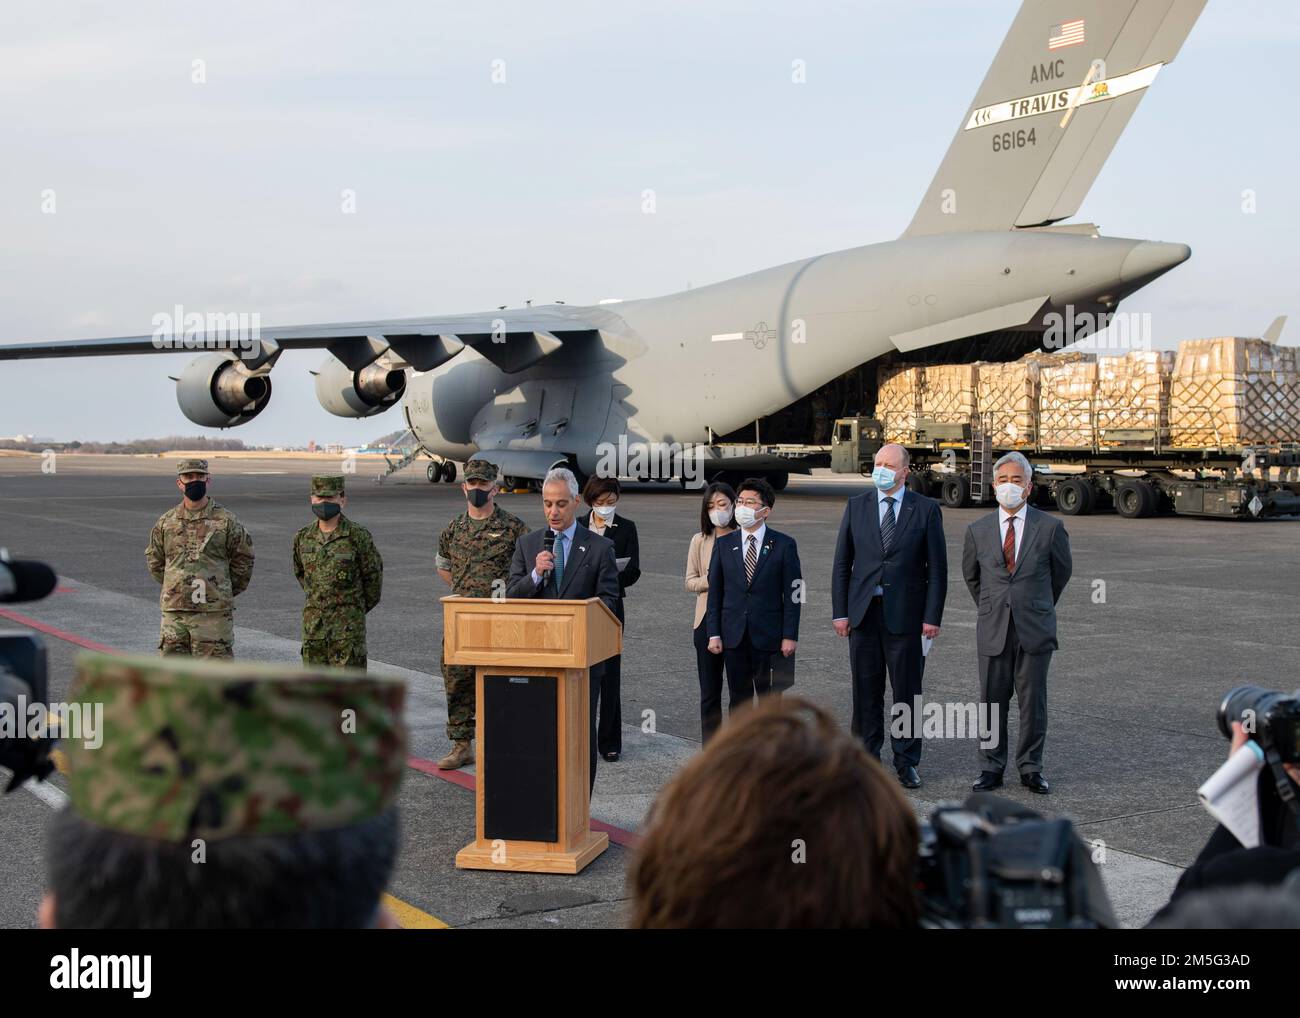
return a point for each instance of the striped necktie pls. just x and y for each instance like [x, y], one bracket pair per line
[887, 524]
[751, 558]
[559, 560]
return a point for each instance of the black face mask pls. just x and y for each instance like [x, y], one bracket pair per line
[326, 510]
[478, 498]
[195, 490]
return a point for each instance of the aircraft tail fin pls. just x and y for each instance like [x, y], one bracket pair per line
[1069, 75]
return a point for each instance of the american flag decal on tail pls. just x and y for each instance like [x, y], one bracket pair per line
[1067, 33]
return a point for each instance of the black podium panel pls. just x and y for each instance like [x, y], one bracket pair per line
[521, 758]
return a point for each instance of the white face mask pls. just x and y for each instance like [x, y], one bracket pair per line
[605, 512]
[720, 517]
[746, 516]
[1009, 495]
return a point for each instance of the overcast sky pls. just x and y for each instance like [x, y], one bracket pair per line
[227, 195]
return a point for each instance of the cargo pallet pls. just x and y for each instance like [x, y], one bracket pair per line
[1133, 471]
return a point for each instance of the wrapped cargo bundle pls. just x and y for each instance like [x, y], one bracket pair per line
[1067, 392]
[898, 401]
[948, 392]
[1007, 397]
[1232, 391]
[1133, 392]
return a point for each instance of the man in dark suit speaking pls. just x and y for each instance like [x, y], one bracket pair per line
[755, 593]
[579, 565]
[1016, 562]
[889, 583]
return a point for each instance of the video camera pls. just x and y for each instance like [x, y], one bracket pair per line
[1272, 720]
[991, 864]
[24, 675]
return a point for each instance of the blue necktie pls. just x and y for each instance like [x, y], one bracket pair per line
[559, 560]
[887, 525]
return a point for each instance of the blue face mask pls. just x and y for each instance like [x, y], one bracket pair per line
[884, 478]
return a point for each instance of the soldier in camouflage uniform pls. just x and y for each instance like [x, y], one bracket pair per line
[337, 564]
[474, 553]
[280, 780]
[203, 558]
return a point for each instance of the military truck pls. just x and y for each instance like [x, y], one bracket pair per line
[1132, 473]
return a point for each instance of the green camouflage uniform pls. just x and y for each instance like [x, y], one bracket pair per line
[204, 559]
[343, 575]
[218, 749]
[476, 553]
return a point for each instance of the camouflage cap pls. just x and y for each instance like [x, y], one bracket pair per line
[191, 467]
[480, 470]
[217, 749]
[325, 485]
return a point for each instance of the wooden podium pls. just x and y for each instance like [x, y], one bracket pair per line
[531, 658]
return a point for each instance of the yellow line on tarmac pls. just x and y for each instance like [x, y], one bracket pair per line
[411, 918]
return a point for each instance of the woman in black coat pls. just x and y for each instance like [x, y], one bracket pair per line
[602, 495]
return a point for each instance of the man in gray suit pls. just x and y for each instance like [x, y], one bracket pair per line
[578, 565]
[1016, 562]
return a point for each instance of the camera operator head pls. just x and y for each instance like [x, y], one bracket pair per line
[783, 821]
[228, 795]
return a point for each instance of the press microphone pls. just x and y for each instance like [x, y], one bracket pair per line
[25, 581]
[548, 544]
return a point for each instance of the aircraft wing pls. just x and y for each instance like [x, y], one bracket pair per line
[511, 339]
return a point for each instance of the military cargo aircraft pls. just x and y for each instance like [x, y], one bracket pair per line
[986, 263]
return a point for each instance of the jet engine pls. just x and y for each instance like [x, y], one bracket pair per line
[218, 390]
[362, 393]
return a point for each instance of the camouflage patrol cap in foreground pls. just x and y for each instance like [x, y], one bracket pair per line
[216, 749]
[191, 467]
[480, 470]
[325, 485]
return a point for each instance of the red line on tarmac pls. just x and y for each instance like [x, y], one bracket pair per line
[59, 634]
[616, 834]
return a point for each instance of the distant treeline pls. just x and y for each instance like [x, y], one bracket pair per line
[198, 443]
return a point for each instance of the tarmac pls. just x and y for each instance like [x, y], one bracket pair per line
[1162, 617]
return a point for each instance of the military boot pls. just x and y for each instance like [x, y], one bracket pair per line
[460, 755]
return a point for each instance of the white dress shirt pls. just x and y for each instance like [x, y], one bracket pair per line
[1003, 522]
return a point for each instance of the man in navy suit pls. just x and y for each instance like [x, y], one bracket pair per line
[889, 583]
[755, 590]
[579, 565]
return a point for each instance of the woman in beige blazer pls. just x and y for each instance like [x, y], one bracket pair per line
[715, 521]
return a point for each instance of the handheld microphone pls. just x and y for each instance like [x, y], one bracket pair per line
[25, 581]
[548, 544]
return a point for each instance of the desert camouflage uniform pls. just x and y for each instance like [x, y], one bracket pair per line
[215, 749]
[204, 559]
[343, 575]
[476, 553]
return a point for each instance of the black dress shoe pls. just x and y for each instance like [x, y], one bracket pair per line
[908, 778]
[1035, 782]
[988, 780]
[611, 756]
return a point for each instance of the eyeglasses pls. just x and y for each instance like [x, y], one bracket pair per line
[752, 503]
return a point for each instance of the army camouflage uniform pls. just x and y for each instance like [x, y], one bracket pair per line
[204, 559]
[217, 749]
[476, 553]
[343, 575]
